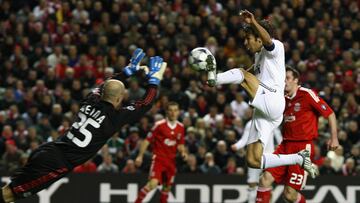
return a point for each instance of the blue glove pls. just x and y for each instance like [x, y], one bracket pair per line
[156, 71]
[135, 60]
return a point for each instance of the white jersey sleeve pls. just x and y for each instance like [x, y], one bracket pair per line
[269, 66]
[277, 50]
[245, 136]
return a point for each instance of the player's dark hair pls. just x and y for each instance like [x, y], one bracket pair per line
[294, 72]
[265, 24]
[172, 103]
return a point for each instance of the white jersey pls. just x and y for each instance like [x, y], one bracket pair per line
[269, 66]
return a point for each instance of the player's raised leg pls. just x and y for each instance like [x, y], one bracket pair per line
[239, 76]
[255, 156]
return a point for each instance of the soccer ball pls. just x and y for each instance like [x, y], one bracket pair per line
[201, 59]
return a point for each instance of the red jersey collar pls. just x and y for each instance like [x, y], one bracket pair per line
[172, 127]
[294, 95]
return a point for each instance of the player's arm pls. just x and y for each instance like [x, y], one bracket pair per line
[322, 108]
[132, 67]
[263, 34]
[182, 151]
[244, 138]
[128, 71]
[143, 147]
[181, 146]
[333, 143]
[135, 111]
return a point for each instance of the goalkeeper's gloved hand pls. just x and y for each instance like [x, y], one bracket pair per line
[156, 70]
[134, 64]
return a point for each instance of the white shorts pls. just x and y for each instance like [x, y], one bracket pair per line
[253, 175]
[269, 106]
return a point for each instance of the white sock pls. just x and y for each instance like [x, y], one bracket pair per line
[269, 160]
[233, 76]
[252, 191]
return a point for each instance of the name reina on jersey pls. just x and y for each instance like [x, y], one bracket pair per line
[87, 115]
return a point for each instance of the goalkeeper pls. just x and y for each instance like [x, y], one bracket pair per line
[100, 116]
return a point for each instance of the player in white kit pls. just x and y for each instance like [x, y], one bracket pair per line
[266, 91]
[253, 174]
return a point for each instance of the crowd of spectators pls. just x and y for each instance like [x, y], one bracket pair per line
[53, 52]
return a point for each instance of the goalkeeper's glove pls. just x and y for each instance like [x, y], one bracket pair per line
[156, 71]
[134, 64]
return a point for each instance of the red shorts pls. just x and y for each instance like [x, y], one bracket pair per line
[163, 170]
[293, 176]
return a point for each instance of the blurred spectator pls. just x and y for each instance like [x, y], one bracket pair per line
[326, 168]
[12, 156]
[54, 135]
[191, 165]
[238, 126]
[353, 132]
[200, 128]
[61, 67]
[6, 134]
[344, 141]
[55, 58]
[66, 101]
[108, 166]
[201, 105]
[230, 167]
[228, 116]
[355, 154]
[178, 95]
[200, 155]
[32, 116]
[65, 126]
[135, 91]
[221, 155]
[239, 106]
[318, 159]
[44, 127]
[144, 127]
[209, 166]
[209, 140]
[132, 141]
[115, 144]
[57, 116]
[212, 117]
[120, 159]
[191, 141]
[348, 168]
[130, 167]
[193, 90]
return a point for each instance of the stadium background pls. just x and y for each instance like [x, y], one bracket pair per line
[53, 52]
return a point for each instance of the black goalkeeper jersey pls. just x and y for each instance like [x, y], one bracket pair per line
[96, 122]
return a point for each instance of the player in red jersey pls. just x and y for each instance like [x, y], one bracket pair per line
[300, 128]
[166, 137]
